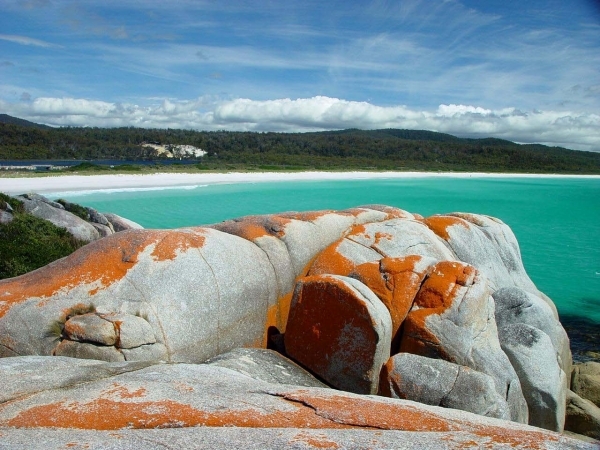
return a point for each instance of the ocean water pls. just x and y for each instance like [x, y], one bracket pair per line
[556, 220]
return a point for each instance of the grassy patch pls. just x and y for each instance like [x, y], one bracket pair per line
[74, 208]
[28, 243]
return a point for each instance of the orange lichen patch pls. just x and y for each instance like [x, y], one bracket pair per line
[175, 242]
[315, 441]
[439, 291]
[183, 387]
[331, 261]
[122, 392]
[107, 414]
[309, 216]
[396, 282]
[530, 439]
[372, 414]
[103, 262]
[440, 224]
[254, 227]
[379, 236]
[331, 331]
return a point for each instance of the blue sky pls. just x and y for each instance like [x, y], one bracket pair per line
[527, 71]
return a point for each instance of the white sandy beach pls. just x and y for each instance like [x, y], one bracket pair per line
[68, 183]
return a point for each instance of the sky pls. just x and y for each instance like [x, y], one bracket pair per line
[526, 71]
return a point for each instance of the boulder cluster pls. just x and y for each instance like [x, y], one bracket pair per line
[400, 314]
[94, 225]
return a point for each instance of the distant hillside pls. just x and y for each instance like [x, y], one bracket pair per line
[353, 149]
[5, 118]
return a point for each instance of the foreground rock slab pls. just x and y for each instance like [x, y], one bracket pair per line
[198, 404]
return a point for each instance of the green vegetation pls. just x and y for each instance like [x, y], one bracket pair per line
[74, 208]
[28, 243]
[390, 149]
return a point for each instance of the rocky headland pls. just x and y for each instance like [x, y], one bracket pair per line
[368, 327]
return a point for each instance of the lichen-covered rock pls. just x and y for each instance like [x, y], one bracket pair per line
[453, 319]
[85, 350]
[585, 381]
[90, 327]
[205, 406]
[486, 243]
[339, 330]
[266, 365]
[582, 416]
[543, 382]
[5, 217]
[396, 281]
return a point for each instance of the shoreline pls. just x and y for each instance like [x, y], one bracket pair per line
[107, 182]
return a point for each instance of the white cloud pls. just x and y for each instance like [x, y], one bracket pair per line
[24, 40]
[577, 130]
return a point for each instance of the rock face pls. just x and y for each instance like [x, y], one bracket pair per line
[346, 289]
[585, 381]
[583, 417]
[95, 404]
[340, 330]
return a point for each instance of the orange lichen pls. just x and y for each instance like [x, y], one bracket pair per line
[108, 414]
[177, 241]
[440, 225]
[254, 227]
[331, 261]
[315, 441]
[103, 262]
[309, 216]
[122, 392]
[373, 414]
[379, 236]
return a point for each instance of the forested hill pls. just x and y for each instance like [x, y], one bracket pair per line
[389, 149]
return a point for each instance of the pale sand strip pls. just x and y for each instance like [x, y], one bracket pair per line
[68, 183]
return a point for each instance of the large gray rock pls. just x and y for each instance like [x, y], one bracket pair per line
[453, 319]
[543, 382]
[78, 227]
[514, 306]
[582, 416]
[205, 406]
[121, 223]
[339, 330]
[203, 292]
[441, 383]
[266, 365]
[585, 381]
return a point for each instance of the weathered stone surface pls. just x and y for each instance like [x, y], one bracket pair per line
[78, 227]
[585, 381]
[147, 352]
[441, 383]
[103, 230]
[121, 223]
[86, 350]
[582, 416]
[204, 292]
[266, 365]
[90, 327]
[339, 330]
[218, 408]
[97, 217]
[486, 243]
[514, 305]
[453, 319]
[543, 382]
[132, 331]
[396, 281]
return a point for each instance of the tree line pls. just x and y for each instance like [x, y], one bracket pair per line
[354, 149]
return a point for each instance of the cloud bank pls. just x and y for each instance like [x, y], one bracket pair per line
[568, 129]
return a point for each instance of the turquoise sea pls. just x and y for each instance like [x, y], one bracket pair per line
[556, 220]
